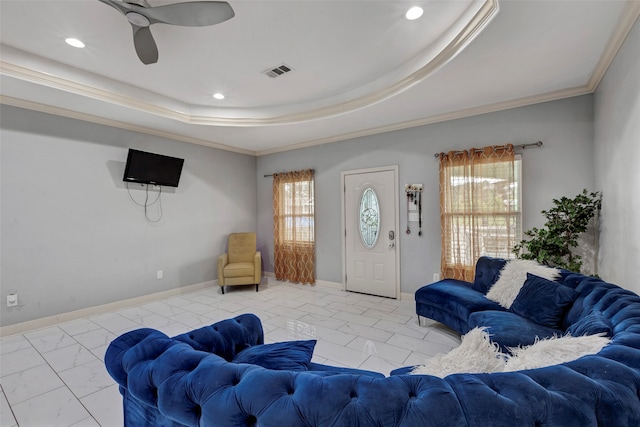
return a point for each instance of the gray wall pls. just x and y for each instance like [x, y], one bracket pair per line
[72, 237]
[563, 167]
[617, 152]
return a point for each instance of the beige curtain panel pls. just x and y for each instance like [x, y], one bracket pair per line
[478, 200]
[293, 230]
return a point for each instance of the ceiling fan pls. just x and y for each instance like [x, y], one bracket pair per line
[141, 15]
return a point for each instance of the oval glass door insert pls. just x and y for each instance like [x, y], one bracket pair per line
[369, 218]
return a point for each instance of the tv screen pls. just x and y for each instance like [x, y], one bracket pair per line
[150, 168]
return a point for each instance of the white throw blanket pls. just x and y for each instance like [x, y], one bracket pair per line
[477, 354]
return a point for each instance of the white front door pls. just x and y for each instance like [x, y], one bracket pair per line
[370, 220]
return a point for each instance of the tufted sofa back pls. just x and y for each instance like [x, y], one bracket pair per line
[171, 382]
[166, 383]
[227, 337]
[617, 305]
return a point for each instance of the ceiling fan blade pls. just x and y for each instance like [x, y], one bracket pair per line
[190, 14]
[145, 45]
[120, 7]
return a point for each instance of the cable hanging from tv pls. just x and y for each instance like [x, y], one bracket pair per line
[146, 205]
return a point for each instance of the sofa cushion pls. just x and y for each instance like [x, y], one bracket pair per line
[591, 324]
[487, 272]
[543, 301]
[453, 298]
[508, 329]
[328, 370]
[239, 269]
[288, 355]
[512, 278]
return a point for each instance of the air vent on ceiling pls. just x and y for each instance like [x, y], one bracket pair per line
[277, 71]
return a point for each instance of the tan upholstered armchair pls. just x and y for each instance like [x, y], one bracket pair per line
[242, 263]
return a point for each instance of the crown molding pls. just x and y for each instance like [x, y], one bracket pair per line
[629, 18]
[50, 80]
[453, 115]
[62, 112]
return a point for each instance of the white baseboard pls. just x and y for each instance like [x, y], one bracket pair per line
[404, 296]
[44, 322]
[335, 285]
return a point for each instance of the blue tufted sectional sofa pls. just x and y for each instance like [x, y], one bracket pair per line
[463, 306]
[192, 379]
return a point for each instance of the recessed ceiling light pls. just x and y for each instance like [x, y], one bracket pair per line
[414, 13]
[218, 96]
[74, 42]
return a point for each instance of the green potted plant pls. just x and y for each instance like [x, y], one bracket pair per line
[566, 221]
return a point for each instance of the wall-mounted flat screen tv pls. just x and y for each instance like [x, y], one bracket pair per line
[151, 168]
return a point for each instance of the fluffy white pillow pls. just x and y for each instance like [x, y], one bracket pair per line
[555, 350]
[476, 353]
[513, 276]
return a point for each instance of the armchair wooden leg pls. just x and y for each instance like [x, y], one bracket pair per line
[222, 287]
[257, 286]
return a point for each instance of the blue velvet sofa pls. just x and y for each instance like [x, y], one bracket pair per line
[194, 379]
[463, 306]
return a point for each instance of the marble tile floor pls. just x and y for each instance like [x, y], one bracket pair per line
[56, 376]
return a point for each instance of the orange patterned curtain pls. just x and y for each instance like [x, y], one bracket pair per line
[293, 226]
[479, 208]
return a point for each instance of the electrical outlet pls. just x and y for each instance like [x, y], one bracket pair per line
[436, 277]
[160, 274]
[12, 300]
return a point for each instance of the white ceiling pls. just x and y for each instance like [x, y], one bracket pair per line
[359, 67]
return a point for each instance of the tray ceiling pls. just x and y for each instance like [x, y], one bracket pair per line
[356, 67]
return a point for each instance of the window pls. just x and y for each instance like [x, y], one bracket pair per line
[296, 212]
[369, 218]
[480, 208]
[294, 226]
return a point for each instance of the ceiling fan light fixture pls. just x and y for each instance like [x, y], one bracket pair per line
[74, 42]
[218, 95]
[414, 13]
